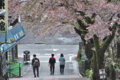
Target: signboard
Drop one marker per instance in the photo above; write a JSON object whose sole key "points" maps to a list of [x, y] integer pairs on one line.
{"points": [[102, 74], [3, 16], [5, 47], [18, 32]]}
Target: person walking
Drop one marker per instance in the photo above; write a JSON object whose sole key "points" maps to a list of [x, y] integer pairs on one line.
{"points": [[52, 62], [62, 63], [35, 65]]}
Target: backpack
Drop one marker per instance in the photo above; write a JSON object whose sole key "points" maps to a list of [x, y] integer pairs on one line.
{"points": [[36, 63]]}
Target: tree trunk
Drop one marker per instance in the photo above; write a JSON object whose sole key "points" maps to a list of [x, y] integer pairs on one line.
{"points": [[94, 67], [96, 64], [88, 51], [112, 74], [97, 59]]}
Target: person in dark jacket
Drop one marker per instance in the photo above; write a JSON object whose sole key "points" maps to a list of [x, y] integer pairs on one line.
{"points": [[52, 62], [35, 65]]}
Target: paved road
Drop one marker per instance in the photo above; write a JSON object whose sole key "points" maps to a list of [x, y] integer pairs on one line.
{"points": [[43, 52]]}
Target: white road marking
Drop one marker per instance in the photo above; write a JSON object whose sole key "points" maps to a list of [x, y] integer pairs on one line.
{"points": [[70, 58], [43, 56], [48, 49], [55, 49], [70, 54], [37, 54], [47, 54], [52, 49]]}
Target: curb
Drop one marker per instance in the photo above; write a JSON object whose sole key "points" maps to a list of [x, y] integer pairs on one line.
{"points": [[71, 58]]}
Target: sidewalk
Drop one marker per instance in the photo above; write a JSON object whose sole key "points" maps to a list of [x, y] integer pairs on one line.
{"points": [[49, 79]]}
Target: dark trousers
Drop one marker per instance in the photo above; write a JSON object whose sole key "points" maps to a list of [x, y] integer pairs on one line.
{"points": [[34, 71], [62, 68], [52, 67]]}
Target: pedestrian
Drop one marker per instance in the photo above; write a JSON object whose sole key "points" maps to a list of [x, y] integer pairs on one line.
{"points": [[52, 62], [62, 63], [35, 65]]}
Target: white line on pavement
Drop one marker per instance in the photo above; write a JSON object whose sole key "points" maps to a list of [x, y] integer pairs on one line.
{"points": [[47, 54], [37, 54], [48, 49], [43, 56], [52, 49], [70, 54], [70, 58]]}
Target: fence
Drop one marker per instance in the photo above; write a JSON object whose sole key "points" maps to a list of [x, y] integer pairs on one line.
{"points": [[15, 69]]}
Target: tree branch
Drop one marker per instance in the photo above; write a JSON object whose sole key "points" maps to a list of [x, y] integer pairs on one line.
{"points": [[108, 40]]}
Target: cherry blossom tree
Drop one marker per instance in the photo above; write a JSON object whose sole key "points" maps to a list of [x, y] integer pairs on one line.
{"points": [[99, 32], [98, 22]]}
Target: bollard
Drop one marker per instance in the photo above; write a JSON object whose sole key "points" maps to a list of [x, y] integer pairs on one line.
{"points": [[19, 70]]}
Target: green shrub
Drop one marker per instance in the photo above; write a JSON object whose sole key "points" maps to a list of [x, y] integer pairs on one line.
{"points": [[87, 73], [79, 52], [9, 62], [79, 61]]}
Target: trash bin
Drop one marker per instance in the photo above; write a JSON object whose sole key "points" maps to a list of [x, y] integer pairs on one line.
{"points": [[26, 55]]}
